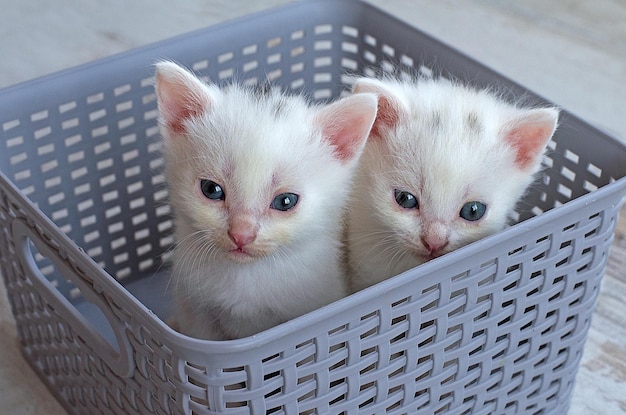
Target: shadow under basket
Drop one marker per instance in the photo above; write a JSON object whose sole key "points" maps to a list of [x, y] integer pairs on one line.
{"points": [[495, 327]]}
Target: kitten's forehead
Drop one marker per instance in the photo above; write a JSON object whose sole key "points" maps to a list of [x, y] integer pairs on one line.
{"points": [[252, 174], [257, 144], [445, 159], [450, 128], [445, 120], [264, 101], [473, 123]]}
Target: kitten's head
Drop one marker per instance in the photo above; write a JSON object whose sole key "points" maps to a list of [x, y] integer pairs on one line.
{"points": [[253, 173], [445, 165]]}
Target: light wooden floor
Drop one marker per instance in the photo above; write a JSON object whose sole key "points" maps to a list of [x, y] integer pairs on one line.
{"points": [[572, 52], [601, 380]]}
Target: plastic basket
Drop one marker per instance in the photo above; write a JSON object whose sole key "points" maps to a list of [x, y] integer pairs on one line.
{"points": [[496, 327]]}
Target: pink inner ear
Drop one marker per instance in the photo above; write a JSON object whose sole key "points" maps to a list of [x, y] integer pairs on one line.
{"points": [[528, 143], [346, 124], [388, 113], [180, 98], [530, 136], [344, 139], [176, 123]]}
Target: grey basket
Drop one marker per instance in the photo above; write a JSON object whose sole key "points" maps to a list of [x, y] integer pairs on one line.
{"points": [[496, 327]]}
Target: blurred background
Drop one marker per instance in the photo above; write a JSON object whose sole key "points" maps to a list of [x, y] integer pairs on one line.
{"points": [[572, 52]]}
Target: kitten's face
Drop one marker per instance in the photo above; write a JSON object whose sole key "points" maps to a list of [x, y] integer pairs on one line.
{"points": [[445, 166], [244, 209], [246, 199], [253, 229], [436, 201], [255, 174]]}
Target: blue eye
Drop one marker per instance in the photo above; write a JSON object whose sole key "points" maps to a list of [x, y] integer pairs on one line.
{"points": [[473, 211], [406, 199], [212, 190], [284, 201]]}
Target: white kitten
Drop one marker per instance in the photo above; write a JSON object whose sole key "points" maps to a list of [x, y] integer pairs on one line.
{"points": [[444, 166], [258, 182]]}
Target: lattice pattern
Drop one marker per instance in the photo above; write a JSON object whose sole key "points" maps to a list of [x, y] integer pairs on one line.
{"points": [[497, 327]]}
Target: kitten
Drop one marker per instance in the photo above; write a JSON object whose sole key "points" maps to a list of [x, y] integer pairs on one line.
{"points": [[444, 166], [258, 181]]}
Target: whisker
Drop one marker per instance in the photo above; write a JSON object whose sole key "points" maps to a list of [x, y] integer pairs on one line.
{"points": [[192, 251]]}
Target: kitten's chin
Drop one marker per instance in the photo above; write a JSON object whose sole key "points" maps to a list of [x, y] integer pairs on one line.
{"points": [[242, 256], [422, 257]]}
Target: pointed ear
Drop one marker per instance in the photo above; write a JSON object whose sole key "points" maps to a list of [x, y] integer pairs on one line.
{"points": [[180, 96], [346, 124], [390, 109], [528, 132]]}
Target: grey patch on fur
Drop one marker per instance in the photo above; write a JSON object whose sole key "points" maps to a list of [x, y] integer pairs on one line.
{"points": [[279, 106], [269, 93], [435, 121], [473, 123], [262, 90]]}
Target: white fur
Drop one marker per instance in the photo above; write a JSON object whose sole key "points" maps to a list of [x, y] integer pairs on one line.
{"points": [[239, 142], [433, 153]]}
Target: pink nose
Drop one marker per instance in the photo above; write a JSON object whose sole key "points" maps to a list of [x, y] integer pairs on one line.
{"points": [[241, 238], [435, 236], [434, 244], [242, 230]]}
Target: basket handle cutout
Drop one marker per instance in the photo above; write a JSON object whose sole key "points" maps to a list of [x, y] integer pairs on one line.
{"points": [[91, 320]]}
